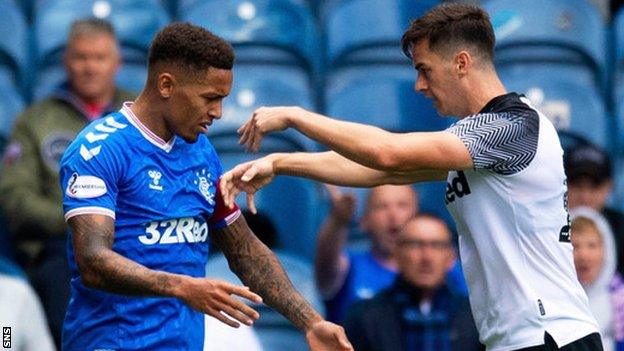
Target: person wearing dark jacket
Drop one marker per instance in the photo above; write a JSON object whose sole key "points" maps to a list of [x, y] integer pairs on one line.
{"points": [[419, 311]]}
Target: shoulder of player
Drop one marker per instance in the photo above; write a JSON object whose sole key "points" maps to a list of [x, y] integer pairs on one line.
{"points": [[110, 130], [107, 135]]}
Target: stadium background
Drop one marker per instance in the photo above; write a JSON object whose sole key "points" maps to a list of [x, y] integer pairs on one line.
{"points": [[342, 58]]}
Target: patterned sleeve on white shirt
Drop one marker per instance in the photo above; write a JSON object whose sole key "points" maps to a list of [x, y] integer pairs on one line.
{"points": [[504, 143]]}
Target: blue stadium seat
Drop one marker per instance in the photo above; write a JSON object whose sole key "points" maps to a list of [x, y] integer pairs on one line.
{"points": [[132, 77], [369, 30], [13, 42], [295, 205], [255, 86], [11, 104], [616, 199], [274, 31], [274, 331], [570, 105], [553, 32], [383, 96], [135, 21]]}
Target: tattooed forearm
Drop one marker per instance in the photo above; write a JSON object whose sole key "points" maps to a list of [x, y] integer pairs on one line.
{"points": [[102, 268], [259, 269]]}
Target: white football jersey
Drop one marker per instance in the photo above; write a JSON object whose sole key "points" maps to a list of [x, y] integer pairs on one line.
{"points": [[514, 234]]}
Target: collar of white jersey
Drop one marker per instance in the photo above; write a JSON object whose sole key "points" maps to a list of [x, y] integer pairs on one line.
{"points": [[148, 134]]}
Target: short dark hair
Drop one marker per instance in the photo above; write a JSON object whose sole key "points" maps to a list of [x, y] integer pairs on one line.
{"points": [[190, 47], [448, 26], [90, 26], [587, 163]]}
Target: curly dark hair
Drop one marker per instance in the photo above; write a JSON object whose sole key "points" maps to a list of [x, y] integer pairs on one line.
{"points": [[450, 26], [190, 47]]}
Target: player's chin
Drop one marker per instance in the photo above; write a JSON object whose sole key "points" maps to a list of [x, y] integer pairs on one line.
{"points": [[190, 137]]}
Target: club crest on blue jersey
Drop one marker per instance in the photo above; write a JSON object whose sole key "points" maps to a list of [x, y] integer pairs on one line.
{"points": [[204, 184]]}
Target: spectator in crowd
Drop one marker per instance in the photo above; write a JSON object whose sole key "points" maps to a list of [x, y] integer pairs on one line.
{"points": [[344, 277], [595, 261], [419, 311], [21, 311], [29, 183], [590, 183]]}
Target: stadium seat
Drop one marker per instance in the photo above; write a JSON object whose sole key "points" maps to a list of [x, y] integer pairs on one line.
{"points": [[295, 205], [11, 104], [571, 106], [135, 22], [383, 96], [369, 30], [270, 31], [13, 42], [618, 27], [259, 85], [564, 33], [274, 331], [616, 199]]}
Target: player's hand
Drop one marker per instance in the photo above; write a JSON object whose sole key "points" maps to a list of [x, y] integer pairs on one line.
{"points": [[326, 336], [263, 121], [342, 204], [217, 299], [248, 177]]}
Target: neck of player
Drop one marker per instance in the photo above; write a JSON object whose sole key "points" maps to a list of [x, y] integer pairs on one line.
{"points": [[150, 112]]}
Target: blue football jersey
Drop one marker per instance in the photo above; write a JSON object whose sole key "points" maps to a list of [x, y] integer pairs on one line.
{"points": [[165, 200]]}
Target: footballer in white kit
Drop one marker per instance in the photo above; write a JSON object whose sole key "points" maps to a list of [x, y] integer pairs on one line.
{"points": [[503, 164]]}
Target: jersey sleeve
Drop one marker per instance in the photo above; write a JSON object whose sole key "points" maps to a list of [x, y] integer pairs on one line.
{"points": [[500, 142], [89, 180]]}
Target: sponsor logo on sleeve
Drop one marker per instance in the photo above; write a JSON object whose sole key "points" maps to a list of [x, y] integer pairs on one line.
{"points": [[85, 187]]}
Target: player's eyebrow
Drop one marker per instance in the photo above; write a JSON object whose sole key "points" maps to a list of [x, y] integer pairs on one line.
{"points": [[419, 65]]}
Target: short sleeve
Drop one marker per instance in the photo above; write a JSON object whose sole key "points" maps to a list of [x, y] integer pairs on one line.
{"points": [[89, 180], [501, 142]]}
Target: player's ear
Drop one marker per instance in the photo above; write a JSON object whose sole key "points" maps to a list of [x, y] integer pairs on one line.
{"points": [[166, 83], [463, 61]]}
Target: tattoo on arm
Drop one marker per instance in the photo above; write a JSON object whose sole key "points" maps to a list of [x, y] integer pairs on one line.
{"points": [[102, 268], [259, 269]]}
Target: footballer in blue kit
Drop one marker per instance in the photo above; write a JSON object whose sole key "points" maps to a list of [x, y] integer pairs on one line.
{"points": [[141, 198]]}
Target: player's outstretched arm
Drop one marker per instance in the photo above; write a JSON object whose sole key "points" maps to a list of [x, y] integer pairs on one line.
{"points": [[327, 167], [102, 268], [370, 146], [258, 268]]}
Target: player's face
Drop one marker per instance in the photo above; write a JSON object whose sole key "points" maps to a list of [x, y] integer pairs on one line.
{"points": [[196, 103], [424, 253], [435, 79], [389, 207], [588, 254], [91, 62]]}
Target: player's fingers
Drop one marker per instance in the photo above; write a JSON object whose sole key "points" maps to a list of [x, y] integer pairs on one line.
{"points": [[242, 291], [244, 311], [249, 174], [244, 132], [238, 315], [251, 204], [224, 319], [224, 188]]}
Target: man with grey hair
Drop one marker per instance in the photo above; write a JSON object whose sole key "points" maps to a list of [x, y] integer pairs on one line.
{"points": [[29, 192]]}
